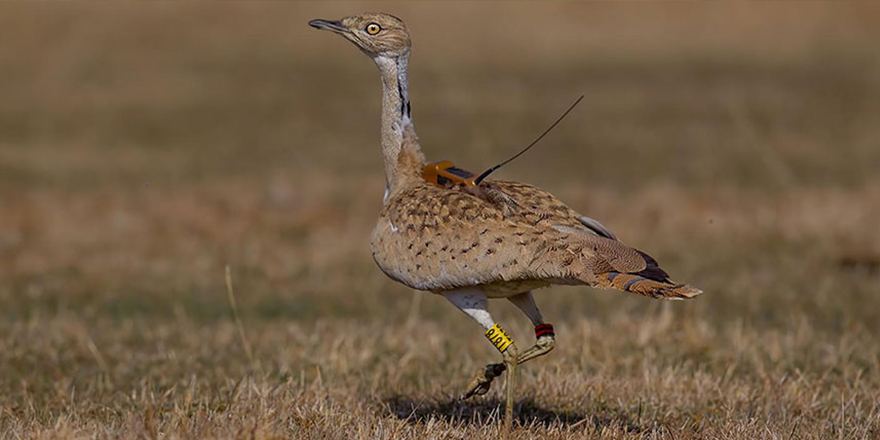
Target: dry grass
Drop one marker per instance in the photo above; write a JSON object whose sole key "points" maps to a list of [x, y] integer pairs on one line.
{"points": [[143, 147]]}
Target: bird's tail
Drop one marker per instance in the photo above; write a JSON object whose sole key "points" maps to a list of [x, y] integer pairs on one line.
{"points": [[635, 283]]}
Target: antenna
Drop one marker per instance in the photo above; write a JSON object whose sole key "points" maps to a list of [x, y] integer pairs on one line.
{"points": [[491, 170]]}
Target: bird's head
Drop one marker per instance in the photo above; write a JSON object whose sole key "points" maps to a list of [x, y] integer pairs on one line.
{"points": [[376, 34]]}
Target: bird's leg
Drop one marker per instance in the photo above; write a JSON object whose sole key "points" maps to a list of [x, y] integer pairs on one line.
{"points": [[473, 303], [511, 359], [546, 341], [544, 335]]}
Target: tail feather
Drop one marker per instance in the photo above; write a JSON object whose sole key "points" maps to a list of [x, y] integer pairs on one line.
{"points": [[638, 284]]}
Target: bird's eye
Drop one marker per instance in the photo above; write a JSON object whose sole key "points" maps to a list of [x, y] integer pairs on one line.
{"points": [[373, 28]]}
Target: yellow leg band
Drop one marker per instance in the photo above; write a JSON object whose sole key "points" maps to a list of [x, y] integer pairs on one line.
{"points": [[499, 338]]}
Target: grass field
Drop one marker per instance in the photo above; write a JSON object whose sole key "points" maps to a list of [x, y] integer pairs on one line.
{"points": [[146, 146]]}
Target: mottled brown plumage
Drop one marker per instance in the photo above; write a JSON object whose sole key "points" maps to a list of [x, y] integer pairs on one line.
{"points": [[505, 237]]}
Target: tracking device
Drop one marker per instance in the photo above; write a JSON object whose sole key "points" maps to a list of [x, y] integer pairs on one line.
{"points": [[445, 173]]}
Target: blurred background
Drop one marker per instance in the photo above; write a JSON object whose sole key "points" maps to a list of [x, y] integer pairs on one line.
{"points": [[144, 146]]}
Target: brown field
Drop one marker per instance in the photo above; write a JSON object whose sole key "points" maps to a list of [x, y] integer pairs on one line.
{"points": [[145, 146]]}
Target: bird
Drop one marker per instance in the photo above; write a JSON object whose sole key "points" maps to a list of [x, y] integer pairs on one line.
{"points": [[496, 240]]}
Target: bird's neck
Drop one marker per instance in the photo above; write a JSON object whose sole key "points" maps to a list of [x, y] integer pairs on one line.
{"points": [[400, 145]]}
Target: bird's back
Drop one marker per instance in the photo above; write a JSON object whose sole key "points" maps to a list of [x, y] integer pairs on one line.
{"points": [[506, 237]]}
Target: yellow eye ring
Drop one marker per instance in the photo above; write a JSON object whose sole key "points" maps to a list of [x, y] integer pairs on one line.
{"points": [[373, 28]]}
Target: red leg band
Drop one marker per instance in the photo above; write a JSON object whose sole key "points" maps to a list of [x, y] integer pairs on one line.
{"points": [[544, 330]]}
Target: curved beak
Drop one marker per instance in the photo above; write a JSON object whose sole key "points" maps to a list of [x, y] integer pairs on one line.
{"points": [[328, 25]]}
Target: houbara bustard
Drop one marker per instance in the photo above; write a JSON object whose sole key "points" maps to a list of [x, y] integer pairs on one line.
{"points": [[496, 239]]}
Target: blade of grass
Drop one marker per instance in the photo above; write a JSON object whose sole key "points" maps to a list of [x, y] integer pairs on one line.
{"points": [[231, 296]]}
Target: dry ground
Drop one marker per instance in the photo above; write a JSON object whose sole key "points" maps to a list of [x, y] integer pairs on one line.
{"points": [[143, 147]]}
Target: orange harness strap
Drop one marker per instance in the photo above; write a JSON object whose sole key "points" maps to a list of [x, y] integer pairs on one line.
{"points": [[444, 173]]}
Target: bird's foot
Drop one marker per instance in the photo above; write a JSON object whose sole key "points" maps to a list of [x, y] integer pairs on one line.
{"points": [[543, 345], [482, 381]]}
